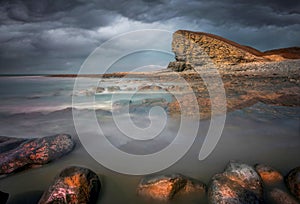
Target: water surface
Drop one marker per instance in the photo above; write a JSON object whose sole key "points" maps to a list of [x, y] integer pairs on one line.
{"points": [[38, 106]]}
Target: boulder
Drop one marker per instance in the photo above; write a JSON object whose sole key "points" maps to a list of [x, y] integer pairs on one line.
{"points": [[122, 102], [113, 88], [32, 152], [278, 196], [154, 102], [150, 88], [238, 184], [179, 66], [73, 185], [167, 186], [268, 174], [100, 89], [3, 197], [293, 181]]}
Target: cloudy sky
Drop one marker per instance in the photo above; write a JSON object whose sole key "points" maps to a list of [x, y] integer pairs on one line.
{"points": [[56, 36]]}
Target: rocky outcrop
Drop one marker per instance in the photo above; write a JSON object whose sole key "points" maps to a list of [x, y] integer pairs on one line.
{"points": [[278, 196], [293, 182], [238, 184], [200, 51], [287, 53], [24, 153], [3, 197], [167, 186], [268, 174], [150, 88], [113, 88], [73, 185], [197, 49]]}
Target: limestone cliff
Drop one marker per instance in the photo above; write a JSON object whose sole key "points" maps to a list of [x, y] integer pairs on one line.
{"points": [[194, 50]]}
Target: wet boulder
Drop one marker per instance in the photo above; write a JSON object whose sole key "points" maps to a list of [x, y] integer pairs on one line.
{"points": [[238, 184], [32, 152], [165, 187], [123, 102], [150, 88], [278, 196], [100, 89], [3, 197], [73, 185], [113, 88], [154, 102], [293, 181], [268, 174]]}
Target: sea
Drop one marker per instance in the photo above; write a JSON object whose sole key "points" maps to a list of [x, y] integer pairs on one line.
{"points": [[38, 106]]}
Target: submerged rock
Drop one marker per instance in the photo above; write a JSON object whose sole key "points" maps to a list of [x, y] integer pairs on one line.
{"points": [[154, 102], [3, 197], [268, 174], [35, 151], [238, 184], [293, 181], [73, 185], [113, 88], [150, 88], [100, 89], [280, 197], [167, 186]]}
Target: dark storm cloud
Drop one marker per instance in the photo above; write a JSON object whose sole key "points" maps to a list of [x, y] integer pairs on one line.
{"points": [[57, 35], [245, 13]]}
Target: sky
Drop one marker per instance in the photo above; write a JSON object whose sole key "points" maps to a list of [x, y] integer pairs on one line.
{"points": [[56, 36]]}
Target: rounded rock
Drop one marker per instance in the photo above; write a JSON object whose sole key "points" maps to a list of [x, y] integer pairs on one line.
{"points": [[73, 185], [268, 174], [293, 181]]}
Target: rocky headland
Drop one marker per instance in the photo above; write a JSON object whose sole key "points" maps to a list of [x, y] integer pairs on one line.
{"points": [[247, 75], [198, 50]]}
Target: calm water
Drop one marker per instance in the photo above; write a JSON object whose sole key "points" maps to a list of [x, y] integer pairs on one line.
{"points": [[38, 106]]}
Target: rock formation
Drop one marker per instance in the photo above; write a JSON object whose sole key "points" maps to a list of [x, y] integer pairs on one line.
{"points": [[268, 174], [238, 184], [73, 185], [167, 186], [278, 196], [198, 50], [23, 153], [293, 182]]}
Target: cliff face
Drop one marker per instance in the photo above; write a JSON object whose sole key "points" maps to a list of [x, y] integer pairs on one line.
{"points": [[195, 50]]}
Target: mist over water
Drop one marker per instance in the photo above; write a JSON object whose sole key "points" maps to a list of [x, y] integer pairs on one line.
{"points": [[38, 106]]}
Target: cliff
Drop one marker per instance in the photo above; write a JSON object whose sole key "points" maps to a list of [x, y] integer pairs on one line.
{"points": [[198, 50]]}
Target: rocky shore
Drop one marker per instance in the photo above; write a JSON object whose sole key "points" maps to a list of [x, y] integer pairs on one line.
{"points": [[240, 183], [248, 76]]}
